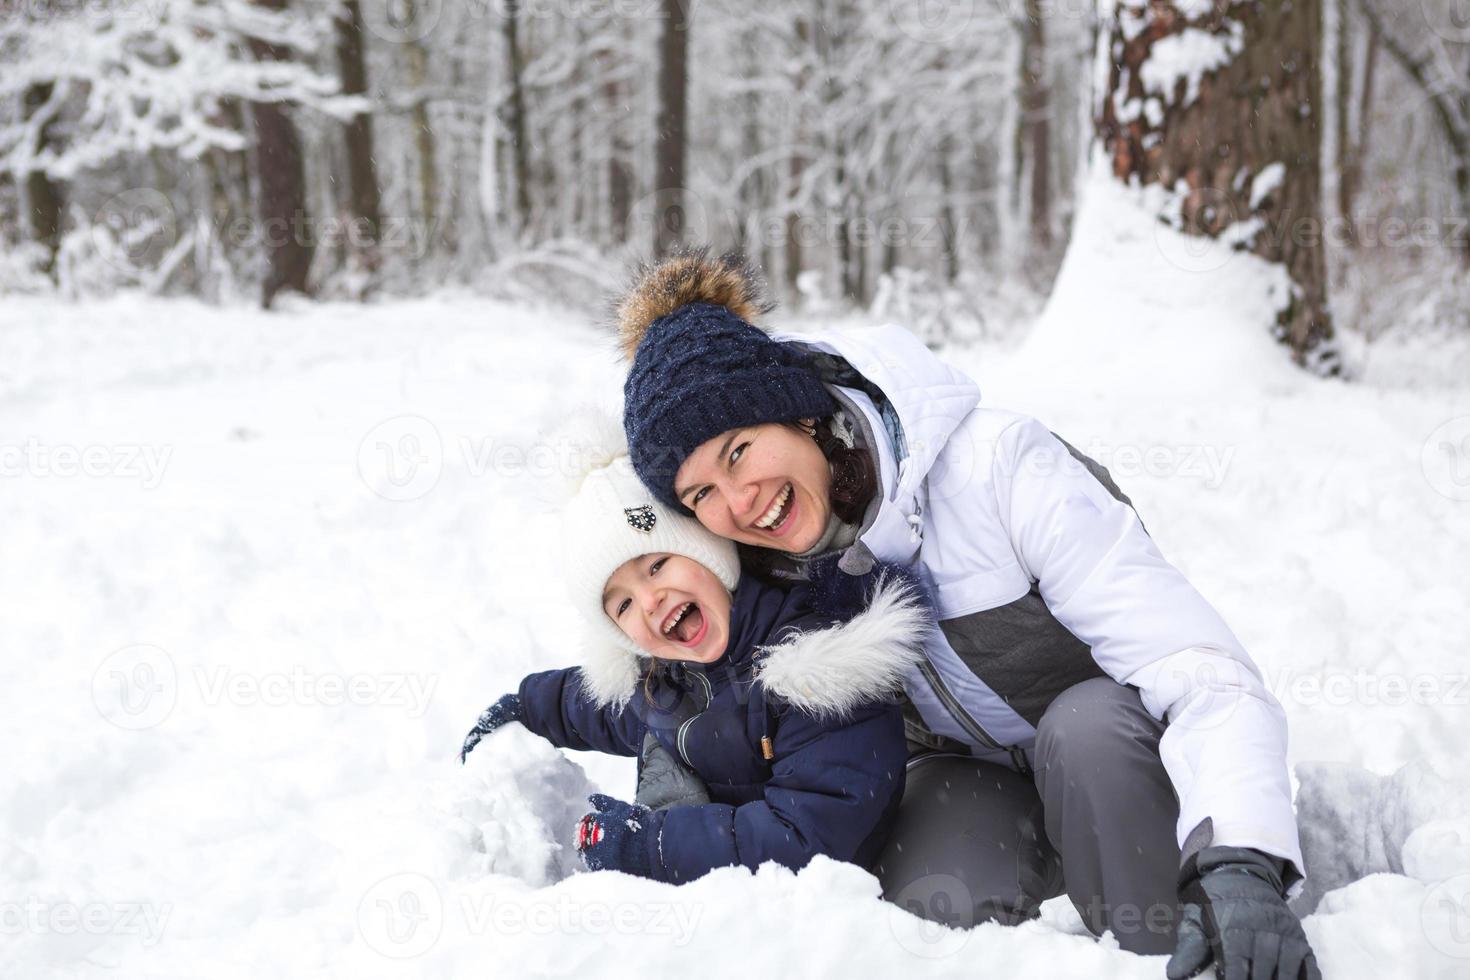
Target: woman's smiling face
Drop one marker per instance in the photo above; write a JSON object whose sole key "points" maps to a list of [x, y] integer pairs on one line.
{"points": [[671, 606], [766, 485]]}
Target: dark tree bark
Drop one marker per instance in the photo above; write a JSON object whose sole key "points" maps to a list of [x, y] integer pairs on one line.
{"points": [[282, 206], [423, 132], [672, 127], [1257, 109], [1033, 137], [516, 116], [43, 195], [947, 222], [1351, 144], [619, 169], [362, 170]]}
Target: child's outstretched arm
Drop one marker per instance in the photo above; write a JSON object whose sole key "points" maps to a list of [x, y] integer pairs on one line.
{"points": [[553, 705]]}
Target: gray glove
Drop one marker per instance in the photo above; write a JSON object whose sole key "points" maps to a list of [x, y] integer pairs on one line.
{"points": [[1235, 915]]}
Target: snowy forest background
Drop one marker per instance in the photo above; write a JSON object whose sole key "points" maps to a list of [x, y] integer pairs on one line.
{"points": [[923, 157]]}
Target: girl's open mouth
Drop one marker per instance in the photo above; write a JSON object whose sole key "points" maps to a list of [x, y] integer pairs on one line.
{"points": [[686, 625], [777, 518]]}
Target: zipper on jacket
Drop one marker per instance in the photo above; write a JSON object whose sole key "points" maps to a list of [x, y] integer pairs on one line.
{"points": [[709, 696], [969, 724]]}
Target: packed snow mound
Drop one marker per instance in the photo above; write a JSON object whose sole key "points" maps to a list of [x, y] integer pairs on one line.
{"points": [[518, 807], [1153, 306]]}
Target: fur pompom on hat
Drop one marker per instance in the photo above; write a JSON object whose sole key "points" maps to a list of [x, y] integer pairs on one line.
{"points": [[612, 519], [700, 366]]}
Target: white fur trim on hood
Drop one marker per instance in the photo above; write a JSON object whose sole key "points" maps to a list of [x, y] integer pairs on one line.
{"points": [[610, 674], [826, 673]]}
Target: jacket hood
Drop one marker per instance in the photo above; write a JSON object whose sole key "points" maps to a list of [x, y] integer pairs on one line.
{"points": [[930, 397], [825, 671]]}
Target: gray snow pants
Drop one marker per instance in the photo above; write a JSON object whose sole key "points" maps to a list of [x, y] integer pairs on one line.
{"points": [[977, 842]]}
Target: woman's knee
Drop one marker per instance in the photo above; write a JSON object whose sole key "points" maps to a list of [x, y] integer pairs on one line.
{"points": [[1091, 723], [969, 846]]}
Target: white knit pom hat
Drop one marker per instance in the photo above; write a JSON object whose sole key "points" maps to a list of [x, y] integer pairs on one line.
{"points": [[613, 518]]}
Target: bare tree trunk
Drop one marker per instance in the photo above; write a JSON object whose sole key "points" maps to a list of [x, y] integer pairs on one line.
{"points": [[1256, 114], [988, 196], [362, 169], [1342, 120], [1033, 136], [795, 260], [43, 196], [282, 170], [423, 132], [1366, 96], [673, 116], [619, 172], [844, 230], [752, 191], [947, 212], [1353, 145], [516, 122]]}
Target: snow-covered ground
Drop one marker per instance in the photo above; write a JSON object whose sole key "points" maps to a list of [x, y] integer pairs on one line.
{"points": [[260, 572]]}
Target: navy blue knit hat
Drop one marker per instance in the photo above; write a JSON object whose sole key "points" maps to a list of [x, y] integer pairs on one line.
{"points": [[700, 367]]}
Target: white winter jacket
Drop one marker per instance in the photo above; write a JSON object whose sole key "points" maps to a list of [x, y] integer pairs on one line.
{"points": [[1044, 575]]}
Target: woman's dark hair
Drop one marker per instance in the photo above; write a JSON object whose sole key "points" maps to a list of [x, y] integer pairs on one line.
{"points": [[854, 477]]}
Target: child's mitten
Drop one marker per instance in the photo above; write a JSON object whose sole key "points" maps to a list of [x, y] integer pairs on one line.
{"points": [[502, 712], [612, 838]]}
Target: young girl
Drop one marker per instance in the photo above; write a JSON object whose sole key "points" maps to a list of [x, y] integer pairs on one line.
{"points": [[788, 717]]}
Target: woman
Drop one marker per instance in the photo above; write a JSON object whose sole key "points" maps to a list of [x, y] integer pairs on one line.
{"points": [[1080, 700]]}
